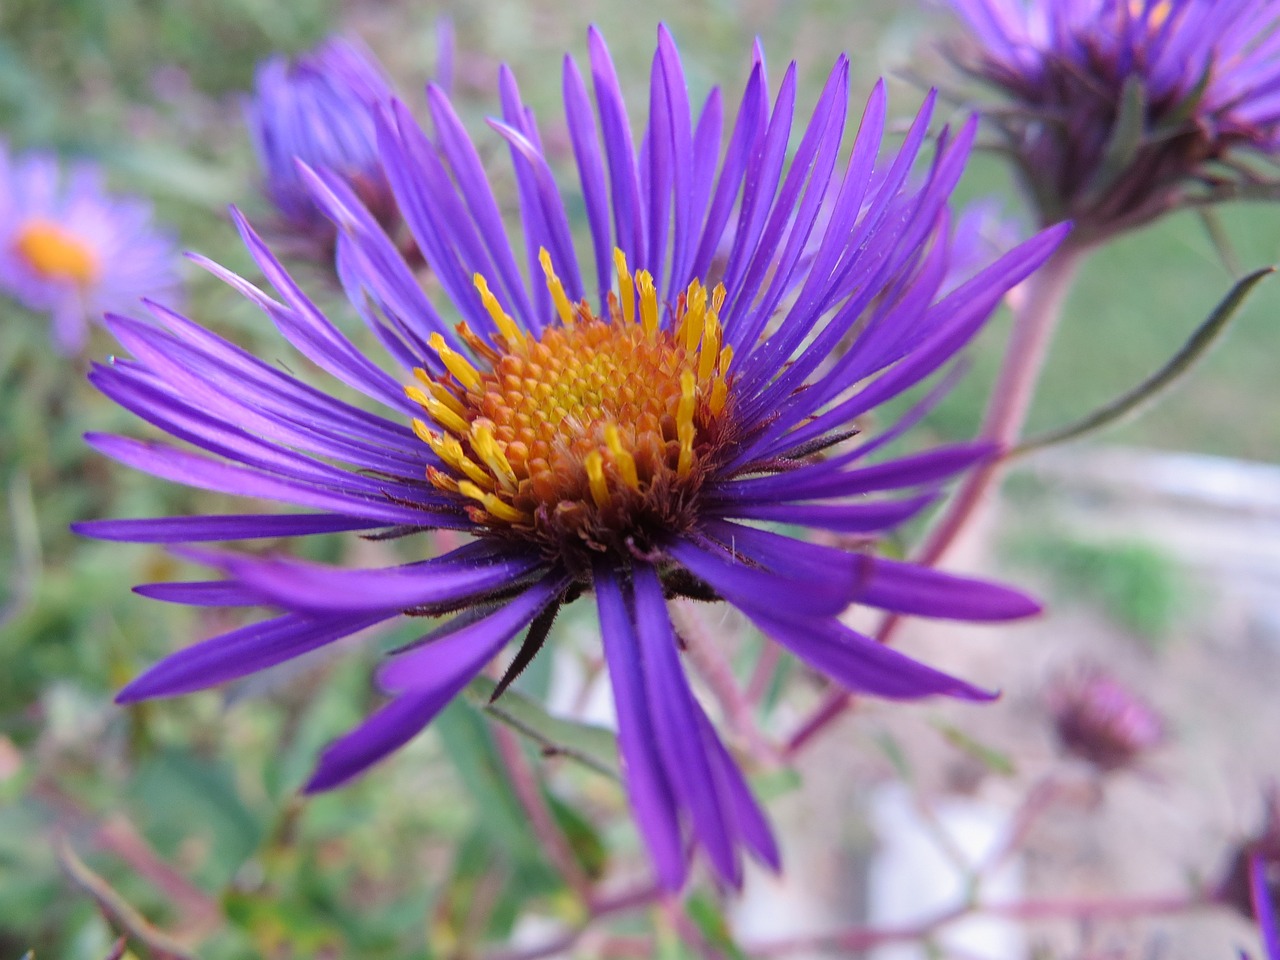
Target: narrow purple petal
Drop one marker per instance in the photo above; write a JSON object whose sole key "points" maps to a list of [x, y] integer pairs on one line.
{"points": [[859, 663], [910, 588], [237, 527], [676, 726], [475, 641], [242, 652], [648, 785]]}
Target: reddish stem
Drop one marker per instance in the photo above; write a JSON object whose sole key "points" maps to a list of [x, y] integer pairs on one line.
{"points": [[529, 793], [1033, 329]]}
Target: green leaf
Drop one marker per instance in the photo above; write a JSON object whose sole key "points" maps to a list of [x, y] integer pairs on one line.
{"points": [[1128, 134], [584, 840], [587, 743], [1130, 403], [470, 746], [709, 920], [994, 760]]}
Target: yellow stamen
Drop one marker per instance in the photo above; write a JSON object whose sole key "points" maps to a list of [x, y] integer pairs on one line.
{"points": [[594, 463], [685, 463], [719, 394], [444, 416], [506, 326], [622, 459], [456, 363], [710, 347], [56, 253], [448, 449], [563, 307], [696, 307], [688, 399], [626, 288], [648, 302], [483, 443]]}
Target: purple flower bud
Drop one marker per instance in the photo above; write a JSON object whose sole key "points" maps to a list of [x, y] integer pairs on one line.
{"points": [[1118, 111], [319, 109], [1100, 720]]}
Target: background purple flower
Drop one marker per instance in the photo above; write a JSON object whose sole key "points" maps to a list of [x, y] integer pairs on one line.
{"points": [[597, 423], [1119, 110], [318, 108], [71, 248]]}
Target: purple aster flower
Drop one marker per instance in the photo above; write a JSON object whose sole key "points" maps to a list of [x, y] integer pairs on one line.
{"points": [[318, 109], [600, 421], [1120, 110], [1101, 721], [70, 248]]}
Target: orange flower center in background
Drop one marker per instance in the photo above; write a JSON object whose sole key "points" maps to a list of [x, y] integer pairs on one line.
{"points": [[56, 253], [600, 432]]}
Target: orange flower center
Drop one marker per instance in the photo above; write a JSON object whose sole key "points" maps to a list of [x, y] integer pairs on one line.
{"points": [[56, 253], [599, 432]]}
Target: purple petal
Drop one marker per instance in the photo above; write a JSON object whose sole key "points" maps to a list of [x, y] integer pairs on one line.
{"points": [[386, 731], [674, 714], [475, 641], [648, 786], [859, 663], [232, 527], [298, 585], [242, 652], [910, 588]]}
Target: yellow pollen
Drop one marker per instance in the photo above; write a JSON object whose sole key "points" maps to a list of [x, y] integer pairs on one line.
{"points": [[56, 253], [626, 289], [563, 307], [648, 302], [506, 326], [622, 458], [595, 435], [456, 363]]}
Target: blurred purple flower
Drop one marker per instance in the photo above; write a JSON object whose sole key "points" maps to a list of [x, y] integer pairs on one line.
{"points": [[1120, 110], [1100, 720], [70, 248], [603, 422], [1261, 887], [1251, 883], [318, 108]]}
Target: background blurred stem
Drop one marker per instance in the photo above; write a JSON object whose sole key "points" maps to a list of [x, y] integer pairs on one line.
{"points": [[1034, 324], [525, 783]]}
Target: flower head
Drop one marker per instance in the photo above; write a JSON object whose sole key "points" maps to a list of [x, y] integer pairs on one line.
{"points": [[1100, 720], [614, 423], [318, 109], [1120, 110], [69, 247]]}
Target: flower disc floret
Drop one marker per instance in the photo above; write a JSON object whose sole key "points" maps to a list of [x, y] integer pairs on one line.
{"points": [[56, 253], [599, 433]]}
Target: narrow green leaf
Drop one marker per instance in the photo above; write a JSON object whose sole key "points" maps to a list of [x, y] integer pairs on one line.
{"points": [[584, 840], [1203, 338], [593, 746], [1128, 135], [709, 919], [1212, 224], [991, 758]]}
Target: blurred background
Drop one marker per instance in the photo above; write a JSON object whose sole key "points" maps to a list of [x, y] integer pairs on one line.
{"points": [[1156, 547]]}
